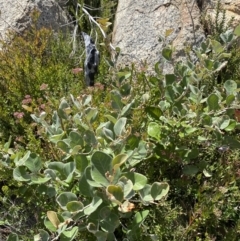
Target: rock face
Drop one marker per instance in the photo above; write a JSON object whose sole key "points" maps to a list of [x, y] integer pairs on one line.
{"points": [[15, 15], [140, 24]]}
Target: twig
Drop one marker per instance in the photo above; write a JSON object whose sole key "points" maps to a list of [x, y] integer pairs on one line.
{"points": [[92, 20], [190, 13]]}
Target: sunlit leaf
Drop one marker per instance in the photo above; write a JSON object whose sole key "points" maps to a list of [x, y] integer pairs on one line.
{"points": [[138, 180], [119, 160], [231, 126], [168, 32], [207, 173], [69, 235], [96, 202], [217, 47], [27, 108], [159, 190], [20, 174], [115, 193], [227, 37], [119, 127], [127, 187], [139, 217], [52, 216], [34, 163], [42, 236], [154, 130], [64, 170], [225, 121]]}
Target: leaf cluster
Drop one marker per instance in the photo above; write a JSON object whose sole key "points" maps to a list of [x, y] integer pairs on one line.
{"points": [[30, 60], [142, 158]]}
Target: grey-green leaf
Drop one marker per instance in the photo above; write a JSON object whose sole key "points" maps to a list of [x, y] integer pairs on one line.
{"points": [[138, 180], [69, 235], [34, 163], [230, 86], [81, 162], [119, 127], [20, 174], [159, 190], [64, 198], [96, 202], [101, 167], [154, 130], [109, 220], [42, 236]]}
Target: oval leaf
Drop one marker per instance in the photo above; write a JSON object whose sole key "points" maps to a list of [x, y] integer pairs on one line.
{"points": [[139, 217], [34, 163], [81, 162], [109, 220], [101, 167], [159, 190], [217, 47], [119, 127], [52, 216], [76, 139], [119, 160], [20, 174], [190, 170], [167, 54], [212, 102], [145, 193], [74, 206], [115, 194], [127, 187], [231, 126], [64, 198], [230, 86], [138, 180], [154, 130]]}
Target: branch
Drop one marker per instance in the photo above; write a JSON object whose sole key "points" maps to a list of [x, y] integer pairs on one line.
{"points": [[91, 19]]}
